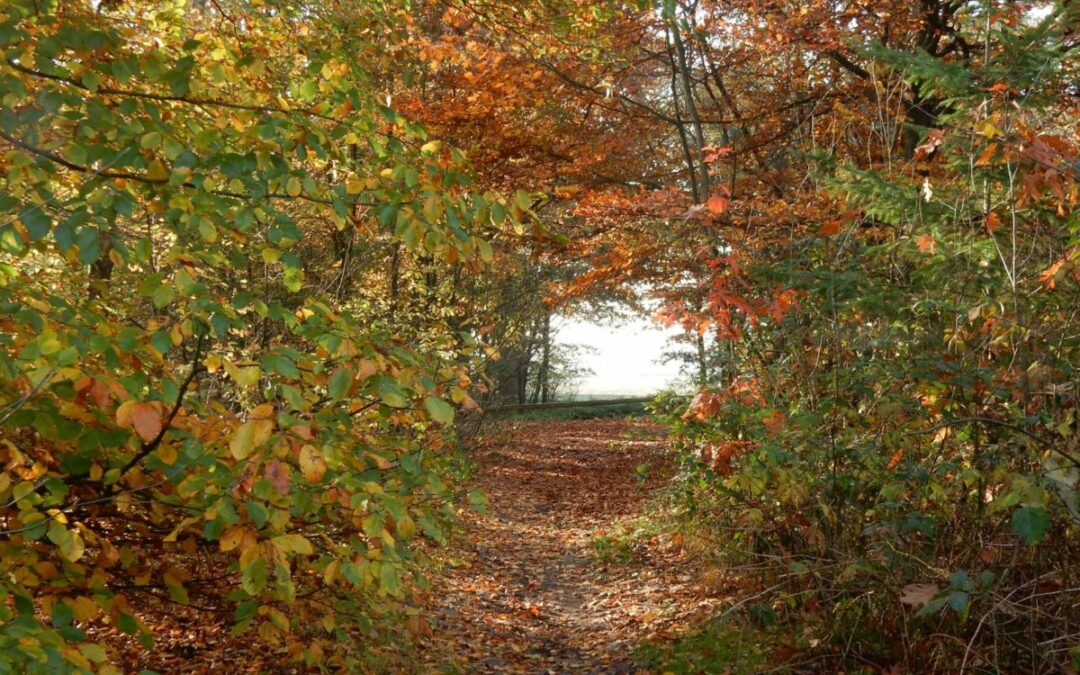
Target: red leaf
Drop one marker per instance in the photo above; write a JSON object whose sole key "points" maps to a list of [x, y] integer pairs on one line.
{"points": [[100, 393], [278, 475]]}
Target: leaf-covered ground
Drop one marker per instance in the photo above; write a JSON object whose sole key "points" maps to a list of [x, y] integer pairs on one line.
{"points": [[530, 590]]}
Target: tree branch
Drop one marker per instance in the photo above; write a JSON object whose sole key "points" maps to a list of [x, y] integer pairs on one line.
{"points": [[151, 445]]}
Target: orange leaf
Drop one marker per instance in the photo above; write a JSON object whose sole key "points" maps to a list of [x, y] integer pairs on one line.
{"points": [[146, 420], [894, 461], [774, 423], [987, 155], [993, 222], [1047, 276], [829, 228], [141, 416], [926, 243], [717, 204]]}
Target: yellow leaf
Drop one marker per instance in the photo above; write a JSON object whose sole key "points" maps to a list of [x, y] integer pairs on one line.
{"points": [[987, 128], [123, 414], [157, 171], [232, 537], [250, 435], [84, 608], [312, 464], [73, 547], [213, 363], [245, 377], [354, 185], [172, 536], [167, 454], [262, 412], [293, 543], [293, 187], [330, 573]]}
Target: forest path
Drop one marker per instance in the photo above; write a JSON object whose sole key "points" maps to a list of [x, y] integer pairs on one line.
{"points": [[529, 595]]}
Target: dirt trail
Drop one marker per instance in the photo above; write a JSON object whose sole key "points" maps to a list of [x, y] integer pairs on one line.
{"points": [[529, 595]]}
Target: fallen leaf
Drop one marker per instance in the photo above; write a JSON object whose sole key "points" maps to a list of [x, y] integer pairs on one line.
{"points": [[917, 595]]}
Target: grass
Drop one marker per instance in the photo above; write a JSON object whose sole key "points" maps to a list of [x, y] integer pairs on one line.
{"points": [[626, 541], [581, 413], [719, 646]]}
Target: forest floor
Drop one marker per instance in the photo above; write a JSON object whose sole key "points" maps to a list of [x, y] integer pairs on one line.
{"points": [[531, 587]]}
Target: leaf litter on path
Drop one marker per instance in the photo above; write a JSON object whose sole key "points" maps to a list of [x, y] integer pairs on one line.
{"points": [[528, 594]]}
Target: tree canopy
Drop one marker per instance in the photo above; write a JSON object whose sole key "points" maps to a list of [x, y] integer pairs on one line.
{"points": [[258, 257]]}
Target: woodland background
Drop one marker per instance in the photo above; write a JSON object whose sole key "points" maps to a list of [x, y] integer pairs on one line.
{"points": [[259, 258]]}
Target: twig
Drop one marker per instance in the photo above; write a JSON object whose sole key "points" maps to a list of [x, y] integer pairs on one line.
{"points": [[20, 402]]}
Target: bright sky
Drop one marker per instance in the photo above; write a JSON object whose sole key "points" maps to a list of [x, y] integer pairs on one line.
{"points": [[626, 361]]}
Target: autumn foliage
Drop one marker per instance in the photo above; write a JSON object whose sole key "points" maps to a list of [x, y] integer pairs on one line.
{"points": [[256, 256]]}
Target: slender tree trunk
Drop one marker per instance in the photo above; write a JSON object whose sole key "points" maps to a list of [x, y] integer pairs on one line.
{"points": [[684, 141], [703, 363], [101, 270], [691, 105], [545, 360]]}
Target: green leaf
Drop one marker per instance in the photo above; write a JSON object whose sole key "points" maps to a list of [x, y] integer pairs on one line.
{"points": [[478, 500], [178, 593], [282, 365], [62, 614], [258, 513], [340, 383], [439, 410], [127, 623], [36, 221], [389, 579], [391, 394], [1031, 523], [253, 577], [96, 653]]}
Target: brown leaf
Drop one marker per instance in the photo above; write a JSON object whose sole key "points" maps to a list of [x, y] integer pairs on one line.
{"points": [[917, 595]]}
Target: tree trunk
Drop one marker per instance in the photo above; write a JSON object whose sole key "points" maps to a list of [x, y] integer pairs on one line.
{"points": [[545, 360]]}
